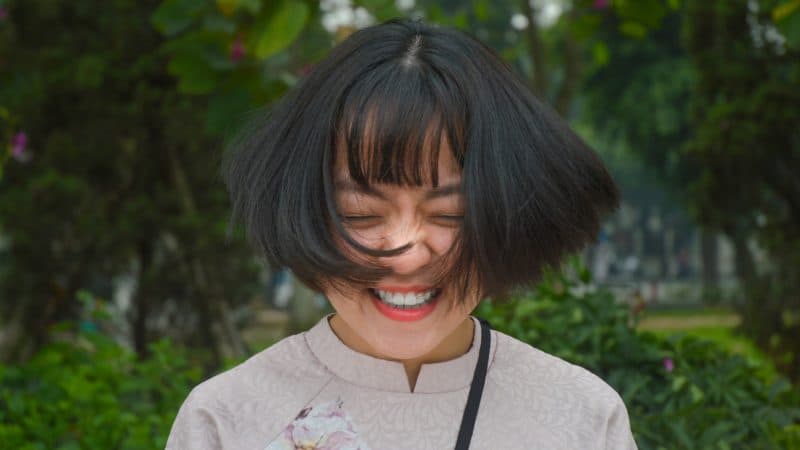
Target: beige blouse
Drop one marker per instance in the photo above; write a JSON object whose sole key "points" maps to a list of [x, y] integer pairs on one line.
{"points": [[310, 391]]}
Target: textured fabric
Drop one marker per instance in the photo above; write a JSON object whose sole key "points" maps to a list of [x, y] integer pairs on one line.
{"points": [[311, 391]]}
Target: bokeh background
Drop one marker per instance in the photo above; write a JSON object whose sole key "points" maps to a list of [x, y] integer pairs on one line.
{"points": [[123, 283]]}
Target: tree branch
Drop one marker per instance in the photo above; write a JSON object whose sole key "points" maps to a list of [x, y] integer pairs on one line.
{"points": [[572, 72], [228, 338], [540, 81]]}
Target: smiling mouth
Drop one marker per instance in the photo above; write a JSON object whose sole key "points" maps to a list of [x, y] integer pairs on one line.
{"points": [[405, 300]]}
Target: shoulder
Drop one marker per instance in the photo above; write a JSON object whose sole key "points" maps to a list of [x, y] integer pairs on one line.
{"points": [[520, 364], [287, 363], [231, 405], [550, 394]]}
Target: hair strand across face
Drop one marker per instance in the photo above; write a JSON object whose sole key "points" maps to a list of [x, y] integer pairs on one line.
{"points": [[392, 97]]}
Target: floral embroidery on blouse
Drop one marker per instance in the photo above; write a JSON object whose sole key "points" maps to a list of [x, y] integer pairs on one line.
{"points": [[320, 427]]}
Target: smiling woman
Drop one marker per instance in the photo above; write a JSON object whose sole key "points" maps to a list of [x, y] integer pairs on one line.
{"points": [[412, 310], [409, 176]]}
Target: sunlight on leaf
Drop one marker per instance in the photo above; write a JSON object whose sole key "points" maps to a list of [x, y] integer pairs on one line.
{"points": [[275, 30]]}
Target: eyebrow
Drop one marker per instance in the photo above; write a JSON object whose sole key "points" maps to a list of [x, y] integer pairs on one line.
{"points": [[437, 192]]}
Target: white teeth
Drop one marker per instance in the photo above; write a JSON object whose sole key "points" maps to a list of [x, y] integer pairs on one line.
{"points": [[410, 299]]}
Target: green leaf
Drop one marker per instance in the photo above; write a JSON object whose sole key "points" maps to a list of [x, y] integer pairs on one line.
{"points": [[225, 109], [382, 10], [436, 14], [276, 29], [678, 383], [696, 393], [585, 27], [90, 71], [648, 13], [217, 23], [600, 53], [173, 16], [194, 74], [460, 20], [577, 315], [251, 6], [789, 24], [783, 10], [227, 7], [633, 29], [481, 9]]}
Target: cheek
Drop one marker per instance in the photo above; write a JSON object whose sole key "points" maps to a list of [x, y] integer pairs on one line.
{"points": [[371, 237], [352, 254], [440, 239]]}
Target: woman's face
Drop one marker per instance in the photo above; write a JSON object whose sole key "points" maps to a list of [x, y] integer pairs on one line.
{"points": [[404, 315]]}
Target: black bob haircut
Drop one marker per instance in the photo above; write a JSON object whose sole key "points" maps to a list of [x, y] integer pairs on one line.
{"points": [[388, 96]]}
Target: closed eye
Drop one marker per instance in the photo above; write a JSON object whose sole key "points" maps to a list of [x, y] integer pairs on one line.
{"points": [[447, 220], [360, 221], [357, 218], [445, 217]]}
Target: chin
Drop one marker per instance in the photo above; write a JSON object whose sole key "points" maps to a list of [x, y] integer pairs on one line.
{"points": [[372, 331], [404, 350]]}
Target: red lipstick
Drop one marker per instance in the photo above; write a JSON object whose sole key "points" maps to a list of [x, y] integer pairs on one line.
{"points": [[400, 314]]}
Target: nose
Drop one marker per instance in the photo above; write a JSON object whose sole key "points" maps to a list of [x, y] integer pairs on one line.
{"points": [[417, 256]]}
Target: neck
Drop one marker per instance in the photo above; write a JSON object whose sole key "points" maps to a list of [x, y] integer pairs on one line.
{"points": [[453, 346]]}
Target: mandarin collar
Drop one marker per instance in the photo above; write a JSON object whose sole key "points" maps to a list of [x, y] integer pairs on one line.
{"points": [[381, 374]]}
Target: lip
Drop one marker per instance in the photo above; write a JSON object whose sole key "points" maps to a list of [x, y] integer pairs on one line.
{"points": [[405, 315], [402, 314]]}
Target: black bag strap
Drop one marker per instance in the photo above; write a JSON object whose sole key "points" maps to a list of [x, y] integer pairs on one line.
{"points": [[475, 390]]}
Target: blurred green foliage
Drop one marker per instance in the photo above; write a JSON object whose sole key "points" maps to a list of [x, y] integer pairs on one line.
{"points": [[744, 156], [125, 123], [786, 15], [123, 182], [233, 51], [709, 103], [681, 392], [87, 392], [6, 132]]}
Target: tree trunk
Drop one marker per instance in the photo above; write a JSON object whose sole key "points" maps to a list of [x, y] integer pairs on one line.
{"points": [[141, 301], [14, 344], [228, 341], [710, 260], [572, 72], [541, 81], [745, 265]]}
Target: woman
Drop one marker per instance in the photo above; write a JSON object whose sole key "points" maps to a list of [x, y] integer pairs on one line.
{"points": [[411, 175]]}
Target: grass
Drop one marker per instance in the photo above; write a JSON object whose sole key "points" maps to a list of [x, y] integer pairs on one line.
{"points": [[714, 324]]}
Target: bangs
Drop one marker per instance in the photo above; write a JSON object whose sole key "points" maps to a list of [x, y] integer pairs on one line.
{"points": [[393, 124], [382, 106]]}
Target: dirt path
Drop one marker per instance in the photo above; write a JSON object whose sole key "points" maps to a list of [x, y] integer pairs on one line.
{"points": [[682, 323]]}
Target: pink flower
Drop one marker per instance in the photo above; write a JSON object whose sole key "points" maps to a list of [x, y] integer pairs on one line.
{"points": [[3, 13], [600, 4], [19, 145], [321, 427], [237, 49], [669, 365]]}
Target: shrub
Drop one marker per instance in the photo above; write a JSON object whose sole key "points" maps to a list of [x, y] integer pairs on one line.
{"points": [[88, 392], [681, 392]]}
